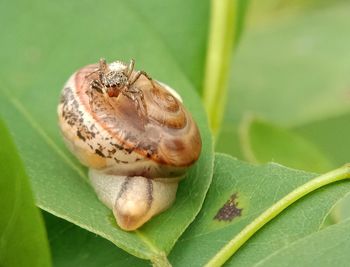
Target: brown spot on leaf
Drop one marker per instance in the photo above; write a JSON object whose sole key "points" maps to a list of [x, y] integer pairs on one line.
{"points": [[230, 210]]}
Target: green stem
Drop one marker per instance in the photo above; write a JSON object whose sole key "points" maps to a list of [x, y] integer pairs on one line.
{"points": [[220, 46], [227, 251]]}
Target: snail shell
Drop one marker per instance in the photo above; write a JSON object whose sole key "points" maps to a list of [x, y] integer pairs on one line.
{"points": [[135, 163]]}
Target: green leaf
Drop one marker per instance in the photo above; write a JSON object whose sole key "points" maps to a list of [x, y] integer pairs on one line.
{"points": [[23, 239], [294, 69], [74, 246], [341, 210], [42, 55], [252, 190], [263, 142], [228, 140], [185, 38], [329, 247], [291, 67], [331, 137]]}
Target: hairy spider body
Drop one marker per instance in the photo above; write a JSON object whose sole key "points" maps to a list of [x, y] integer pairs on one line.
{"points": [[118, 77], [114, 79]]}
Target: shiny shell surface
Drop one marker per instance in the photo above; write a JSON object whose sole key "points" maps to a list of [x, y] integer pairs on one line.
{"points": [[110, 134]]}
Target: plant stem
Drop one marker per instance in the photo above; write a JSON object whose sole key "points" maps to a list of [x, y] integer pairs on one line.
{"points": [[220, 46], [227, 251]]}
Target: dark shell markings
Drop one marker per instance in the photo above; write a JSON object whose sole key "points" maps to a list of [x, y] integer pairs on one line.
{"points": [[130, 135]]}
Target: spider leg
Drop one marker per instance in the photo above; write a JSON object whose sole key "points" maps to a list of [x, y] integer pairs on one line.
{"points": [[91, 73], [103, 64], [137, 76], [98, 86], [102, 67], [136, 95], [130, 68]]}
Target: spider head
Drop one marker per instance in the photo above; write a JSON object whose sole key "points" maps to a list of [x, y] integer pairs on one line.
{"points": [[115, 75], [114, 78]]}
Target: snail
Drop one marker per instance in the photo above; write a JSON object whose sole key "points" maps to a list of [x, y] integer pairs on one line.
{"points": [[134, 135]]}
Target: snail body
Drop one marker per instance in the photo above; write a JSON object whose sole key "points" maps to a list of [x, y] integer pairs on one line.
{"points": [[134, 135]]}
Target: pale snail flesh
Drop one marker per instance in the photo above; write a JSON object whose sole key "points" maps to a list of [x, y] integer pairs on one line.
{"points": [[134, 135]]}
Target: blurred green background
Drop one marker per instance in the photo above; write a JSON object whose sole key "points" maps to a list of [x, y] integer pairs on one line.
{"points": [[289, 88], [291, 68]]}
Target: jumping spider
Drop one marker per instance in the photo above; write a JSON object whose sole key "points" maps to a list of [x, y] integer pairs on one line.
{"points": [[118, 77]]}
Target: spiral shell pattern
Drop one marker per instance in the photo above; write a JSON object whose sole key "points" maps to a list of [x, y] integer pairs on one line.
{"points": [[109, 134]]}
